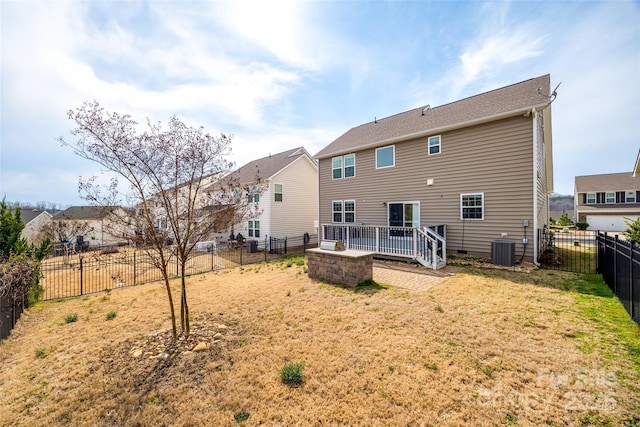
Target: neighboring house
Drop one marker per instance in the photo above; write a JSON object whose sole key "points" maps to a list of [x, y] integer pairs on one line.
{"points": [[605, 201], [97, 226], [481, 167], [157, 208], [34, 220], [284, 189]]}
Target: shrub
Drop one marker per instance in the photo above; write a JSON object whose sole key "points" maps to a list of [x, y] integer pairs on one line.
{"points": [[111, 315], [241, 416], [70, 318], [41, 353], [633, 230], [291, 373], [582, 225], [564, 220]]}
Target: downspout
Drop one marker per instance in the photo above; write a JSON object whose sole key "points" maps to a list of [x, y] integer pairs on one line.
{"points": [[536, 141]]}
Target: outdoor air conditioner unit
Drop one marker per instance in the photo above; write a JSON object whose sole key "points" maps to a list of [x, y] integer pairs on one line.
{"points": [[503, 252]]}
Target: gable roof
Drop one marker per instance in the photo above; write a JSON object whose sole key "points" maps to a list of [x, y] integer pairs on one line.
{"points": [[607, 182], [264, 168], [493, 105], [636, 168], [29, 215], [85, 212]]}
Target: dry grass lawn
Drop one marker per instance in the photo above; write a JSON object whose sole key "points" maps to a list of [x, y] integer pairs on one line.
{"points": [[483, 347]]}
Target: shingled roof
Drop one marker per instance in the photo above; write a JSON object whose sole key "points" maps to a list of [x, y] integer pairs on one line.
{"points": [[264, 168], [500, 103], [606, 182], [85, 212]]}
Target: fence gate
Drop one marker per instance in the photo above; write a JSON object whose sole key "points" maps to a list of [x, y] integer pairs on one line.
{"points": [[568, 250]]}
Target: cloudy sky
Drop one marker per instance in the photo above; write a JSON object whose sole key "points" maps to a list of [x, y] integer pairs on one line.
{"points": [[278, 75]]}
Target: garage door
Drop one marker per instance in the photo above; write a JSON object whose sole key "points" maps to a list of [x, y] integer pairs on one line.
{"points": [[608, 222]]}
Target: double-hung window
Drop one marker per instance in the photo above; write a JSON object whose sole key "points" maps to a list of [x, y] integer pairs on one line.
{"points": [[344, 211], [336, 167], [349, 211], [472, 206], [349, 165], [337, 210], [254, 194], [591, 198], [343, 166], [254, 228], [277, 191], [610, 198], [385, 157], [434, 145], [630, 197]]}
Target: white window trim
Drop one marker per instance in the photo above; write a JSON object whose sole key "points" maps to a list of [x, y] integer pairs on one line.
{"points": [[344, 211], [606, 197], [393, 158], [341, 168], [634, 196], [462, 207], [275, 193], [405, 202], [439, 145], [344, 166], [251, 231], [333, 221], [595, 199]]}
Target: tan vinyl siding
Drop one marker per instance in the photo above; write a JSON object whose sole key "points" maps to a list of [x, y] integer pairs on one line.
{"points": [[295, 215], [495, 159]]}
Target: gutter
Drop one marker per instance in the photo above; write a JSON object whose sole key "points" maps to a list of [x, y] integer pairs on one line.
{"points": [[437, 130]]}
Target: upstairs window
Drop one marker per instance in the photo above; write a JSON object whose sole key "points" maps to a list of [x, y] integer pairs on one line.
{"points": [[349, 165], [277, 191], [472, 206], [610, 198], [254, 194], [343, 166], [630, 197], [336, 167], [385, 157], [591, 198], [434, 145]]}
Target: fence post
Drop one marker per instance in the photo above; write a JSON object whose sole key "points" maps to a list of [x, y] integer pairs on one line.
{"points": [[285, 245], [265, 248], [615, 265], [631, 297], [80, 257], [240, 249], [134, 268]]}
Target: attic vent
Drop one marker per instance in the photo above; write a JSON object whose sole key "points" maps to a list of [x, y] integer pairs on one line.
{"points": [[425, 109]]}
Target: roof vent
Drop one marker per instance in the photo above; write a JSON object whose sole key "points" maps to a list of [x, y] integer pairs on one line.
{"points": [[427, 108]]}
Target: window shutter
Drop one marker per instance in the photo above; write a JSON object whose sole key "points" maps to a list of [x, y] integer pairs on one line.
{"points": [[637, 196], [619, 197], [584, 198]]}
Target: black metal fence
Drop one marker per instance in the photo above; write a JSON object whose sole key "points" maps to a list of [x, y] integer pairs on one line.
{"points": [[568, 249], [74, 274], [10, 310], [619, 264]]}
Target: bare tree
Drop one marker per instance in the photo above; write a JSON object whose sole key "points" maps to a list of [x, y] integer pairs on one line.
{"points": [[169, 172]]}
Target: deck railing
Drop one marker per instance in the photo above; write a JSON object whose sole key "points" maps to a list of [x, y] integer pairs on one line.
{"points": [[426, 246]]}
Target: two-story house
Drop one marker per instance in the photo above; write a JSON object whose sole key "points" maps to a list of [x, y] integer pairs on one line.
{"points": [[284, 190], [607, 201], [475, 170], [95, 226]]}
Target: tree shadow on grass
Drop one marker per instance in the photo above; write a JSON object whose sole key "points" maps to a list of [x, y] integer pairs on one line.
{"points": [[582, 283]]}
